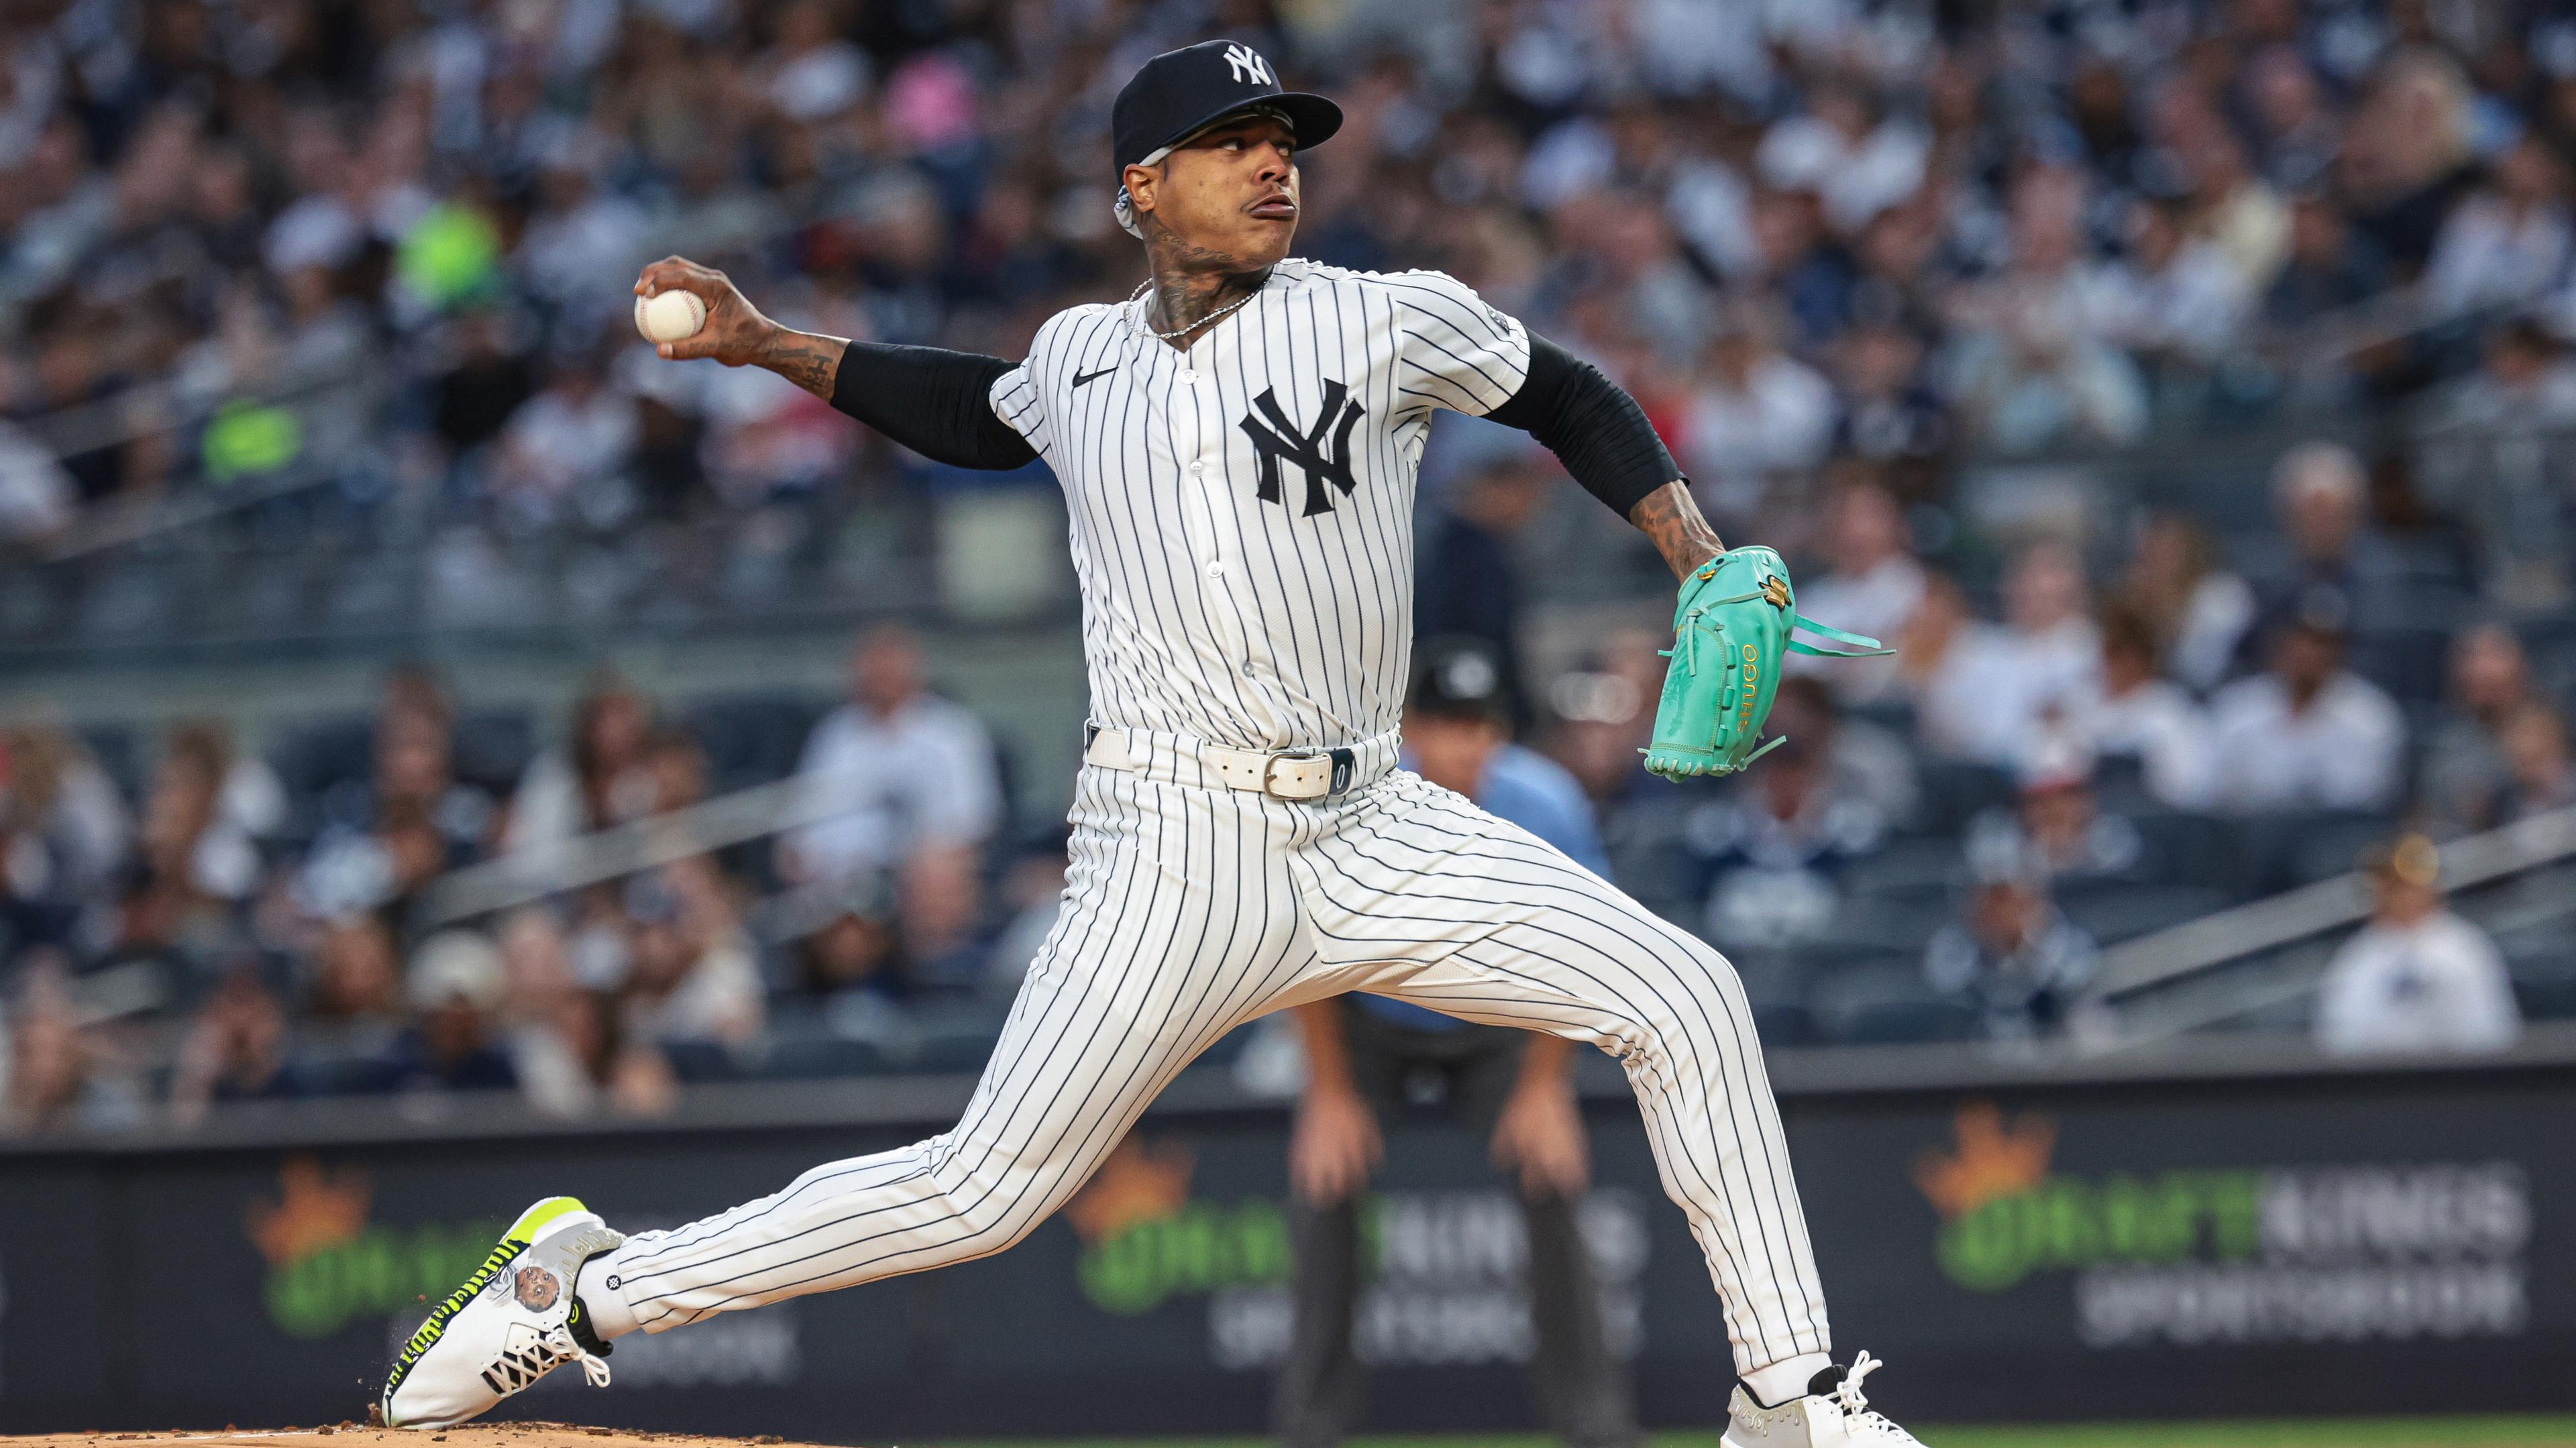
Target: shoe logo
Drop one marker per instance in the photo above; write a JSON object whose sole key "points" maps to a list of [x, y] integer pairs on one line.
{"points": [[1079, 378], [537, 1288]]}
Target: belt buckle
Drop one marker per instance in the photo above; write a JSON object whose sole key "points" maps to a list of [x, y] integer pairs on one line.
{"points": [[1270, 774], [1345, 765]]}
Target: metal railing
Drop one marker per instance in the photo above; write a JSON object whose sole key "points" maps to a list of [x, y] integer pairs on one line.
{"points": [[2269, 953]]}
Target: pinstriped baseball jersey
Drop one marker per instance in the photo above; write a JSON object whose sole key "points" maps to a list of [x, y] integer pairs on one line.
{"points": [[1242, 513]]}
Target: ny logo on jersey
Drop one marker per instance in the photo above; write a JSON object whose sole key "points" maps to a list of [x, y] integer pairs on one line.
{"points": [[1282, 441], [1246, 64]]}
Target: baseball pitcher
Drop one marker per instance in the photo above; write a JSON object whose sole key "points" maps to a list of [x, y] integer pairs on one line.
{"points": [[1237, 443]]}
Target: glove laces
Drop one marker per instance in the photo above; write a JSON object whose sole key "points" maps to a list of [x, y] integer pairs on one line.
{"points": [[559, 1340], [1688, 643]]}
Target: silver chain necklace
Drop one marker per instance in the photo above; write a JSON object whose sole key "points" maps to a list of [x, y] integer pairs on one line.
{"points": [[1194, 326]]}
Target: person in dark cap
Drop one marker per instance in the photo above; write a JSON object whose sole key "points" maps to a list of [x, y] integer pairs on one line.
{"points": [[1368, 1055]]}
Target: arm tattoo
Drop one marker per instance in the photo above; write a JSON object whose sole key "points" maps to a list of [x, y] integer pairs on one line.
{"points": [[809, 361], [1671, 517]]}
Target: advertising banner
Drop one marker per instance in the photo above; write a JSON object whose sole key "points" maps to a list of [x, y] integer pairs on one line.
{"points": [[2342, 1244]]}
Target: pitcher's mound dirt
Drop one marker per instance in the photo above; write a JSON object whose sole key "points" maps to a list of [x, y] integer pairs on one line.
{"points": [[359, 1435]]}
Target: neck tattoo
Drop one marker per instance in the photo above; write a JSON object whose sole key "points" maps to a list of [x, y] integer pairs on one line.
{"points": [[1188, 327]]}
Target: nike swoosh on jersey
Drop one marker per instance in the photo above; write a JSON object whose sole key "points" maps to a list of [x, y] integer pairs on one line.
{"points": [[1080, 378]]}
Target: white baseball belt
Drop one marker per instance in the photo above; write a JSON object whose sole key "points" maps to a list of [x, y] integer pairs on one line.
{"points": [[1294, 774]]}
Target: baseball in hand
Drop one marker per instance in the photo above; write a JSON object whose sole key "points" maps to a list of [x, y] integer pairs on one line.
{"points": [[670, 316]]}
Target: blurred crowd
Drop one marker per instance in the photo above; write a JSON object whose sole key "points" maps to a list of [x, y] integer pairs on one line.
{"points": [[258, 927], [1819, 239], [1851, 256]]}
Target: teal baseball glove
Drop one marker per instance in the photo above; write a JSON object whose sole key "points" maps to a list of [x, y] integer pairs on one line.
{"points": [[1731, 630]]}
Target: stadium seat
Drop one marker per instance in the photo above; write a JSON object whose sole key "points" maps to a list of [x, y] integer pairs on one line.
{"points": [[817, 1058], [1956, 791], [2332, 845], [750, 738], [2410, 662], [114, 747], [2546, 997], [342, 1075], [493, 747], [955, 1038], [697, 1062], [325, 751], [2542, 961], [1923, 872], [1889, 1005], [2192, 849], [2277, 852], [1228, 1048], [1647, 858], [2113, 911], [1784, 1023]]}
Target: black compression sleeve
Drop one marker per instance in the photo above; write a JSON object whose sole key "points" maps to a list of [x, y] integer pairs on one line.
{"points": [[1592, 425], [935, 402]]}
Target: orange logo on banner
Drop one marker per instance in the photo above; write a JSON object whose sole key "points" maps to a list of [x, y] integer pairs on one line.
{"points": [[1138, 1183], [1995, 1159], [314, 1209]]}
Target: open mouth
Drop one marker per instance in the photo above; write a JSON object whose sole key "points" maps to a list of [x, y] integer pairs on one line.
{"points": [[1275, 208]]}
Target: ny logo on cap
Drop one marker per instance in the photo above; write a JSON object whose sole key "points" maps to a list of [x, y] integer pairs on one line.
{"points": [[1246, 64]]}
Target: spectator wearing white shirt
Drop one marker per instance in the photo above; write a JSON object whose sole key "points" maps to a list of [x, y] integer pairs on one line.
{"points": [[2027, 364], [2013, 685], [2418, 979], [2151, 719], [37, 496], [2308, 734], [913, 786], [2197, 613], [2508, 241], [2176, 296], [2236, 210], [1759, 413], [1857, 164], [693, 974], [1874, 587], [575, 431], [597, 778]]}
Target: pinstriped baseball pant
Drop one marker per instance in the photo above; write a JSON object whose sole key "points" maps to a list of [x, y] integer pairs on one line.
{"points": [[1190, 909]]}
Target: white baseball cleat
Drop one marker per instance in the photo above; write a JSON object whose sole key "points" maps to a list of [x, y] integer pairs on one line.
{"points": [[513, 1322], [1831, 1415]]}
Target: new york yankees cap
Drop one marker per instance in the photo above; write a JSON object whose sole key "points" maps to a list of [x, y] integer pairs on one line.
{"points": [[1181, 92]]}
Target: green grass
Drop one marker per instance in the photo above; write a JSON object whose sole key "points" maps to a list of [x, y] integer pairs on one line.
{"points": [[2552, 1432]]}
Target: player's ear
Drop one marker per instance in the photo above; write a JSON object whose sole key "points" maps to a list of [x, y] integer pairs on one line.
{"points": [[1140, 181]]}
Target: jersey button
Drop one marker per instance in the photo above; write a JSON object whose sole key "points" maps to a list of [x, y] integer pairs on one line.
{"points": [[1189, 375], [1216, 570], [1198, 470]]}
